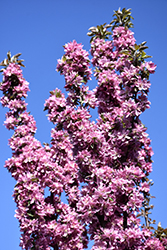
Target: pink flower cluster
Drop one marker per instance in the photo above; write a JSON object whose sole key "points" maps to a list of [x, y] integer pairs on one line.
{"points": [[101, 167], [74, 65], [45, 222], [123, 38]]}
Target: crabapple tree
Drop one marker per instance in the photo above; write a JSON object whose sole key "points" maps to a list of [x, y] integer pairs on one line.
{"points": [[102, 166]]}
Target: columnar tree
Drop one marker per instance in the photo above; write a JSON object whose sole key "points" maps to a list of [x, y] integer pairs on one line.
{"points": [[102, 166]]}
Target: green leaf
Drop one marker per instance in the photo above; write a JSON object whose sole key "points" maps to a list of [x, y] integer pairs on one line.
{"points": [[31, 215], [143, 48], [63, 58], [9, 55], [125, 52], [89, 33], [123, 18], [34, 179], [147, 56], [136, 47]]}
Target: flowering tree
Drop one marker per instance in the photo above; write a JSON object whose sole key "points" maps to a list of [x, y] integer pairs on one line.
{"points": [[102, 167]]}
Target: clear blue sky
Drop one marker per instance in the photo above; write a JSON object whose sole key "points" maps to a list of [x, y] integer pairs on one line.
{"points": [[38, 29]]}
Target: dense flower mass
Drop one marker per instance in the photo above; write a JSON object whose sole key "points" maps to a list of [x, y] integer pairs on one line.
{"points": [[74, 65], [43, 220], [123, 38], [101, 167]]}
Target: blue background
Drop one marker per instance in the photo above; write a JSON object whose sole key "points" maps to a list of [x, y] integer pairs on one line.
{"points": [[38, 29]]}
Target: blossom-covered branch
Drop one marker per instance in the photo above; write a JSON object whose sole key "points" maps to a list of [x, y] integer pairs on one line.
{"points": [[101, 166]]}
